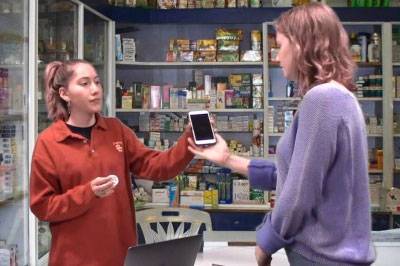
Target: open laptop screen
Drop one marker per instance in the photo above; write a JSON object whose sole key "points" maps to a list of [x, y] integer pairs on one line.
{"points": [[175, 252]]}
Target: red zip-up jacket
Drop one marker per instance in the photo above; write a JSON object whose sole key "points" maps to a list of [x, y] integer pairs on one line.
{"points": [[87, 230]]}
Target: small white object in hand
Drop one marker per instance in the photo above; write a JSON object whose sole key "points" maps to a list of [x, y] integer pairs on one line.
{"points": [[115, 180]]}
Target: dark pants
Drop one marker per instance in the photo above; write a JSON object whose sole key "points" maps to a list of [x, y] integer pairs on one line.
{"points": [[295, 259]]}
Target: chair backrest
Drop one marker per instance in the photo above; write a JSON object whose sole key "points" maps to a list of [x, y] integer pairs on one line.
{"points": [[171, 223]]}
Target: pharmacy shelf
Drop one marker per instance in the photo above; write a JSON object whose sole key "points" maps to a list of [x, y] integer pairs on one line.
{"points": [[284, 99], [229, 15], [187, 110], [233, 206], [369, 99], [12, 66], [188, 64], [198, 157], [375, 171], [396, 135], [368, 64], [370, 135], [10, 117], [275, 134], [359, 64], [361, 99], [396, 99], [236, 207], [396, 64], [178, 132]]}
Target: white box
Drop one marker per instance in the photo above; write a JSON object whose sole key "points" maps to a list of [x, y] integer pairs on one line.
{"points": [[128, 49], [192, 198], [207, 84], [155, 97], [241, 190], [160, 195]]}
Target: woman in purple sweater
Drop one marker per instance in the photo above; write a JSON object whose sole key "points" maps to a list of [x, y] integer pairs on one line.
{"points": [[322, 214]]}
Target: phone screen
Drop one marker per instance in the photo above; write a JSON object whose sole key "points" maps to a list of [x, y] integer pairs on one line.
{"points": [[201, 127]]}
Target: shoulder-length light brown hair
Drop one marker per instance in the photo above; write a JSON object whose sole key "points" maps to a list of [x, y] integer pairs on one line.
{"points": [[321, 46], [58, 74]]}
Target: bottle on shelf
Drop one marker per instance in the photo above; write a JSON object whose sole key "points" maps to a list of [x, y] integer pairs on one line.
{"points": [[118, 94], [374, 48], [290, 89], [355, 47], [127, 98], [362, 39]]}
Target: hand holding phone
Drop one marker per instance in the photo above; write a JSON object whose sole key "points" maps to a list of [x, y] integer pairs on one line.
{"points": [[203, 132]]}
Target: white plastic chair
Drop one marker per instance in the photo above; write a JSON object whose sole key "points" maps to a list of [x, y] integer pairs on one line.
{"points": [[179, 216]]}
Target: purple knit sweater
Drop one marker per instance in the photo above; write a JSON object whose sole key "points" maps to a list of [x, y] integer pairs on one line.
{"points": [[321, 180]]}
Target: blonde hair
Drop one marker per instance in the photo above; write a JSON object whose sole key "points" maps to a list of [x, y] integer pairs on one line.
{"points": [[321, 46], [57, 75]]}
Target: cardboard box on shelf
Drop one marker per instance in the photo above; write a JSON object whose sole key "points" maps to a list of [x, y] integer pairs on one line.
{"points": [[192, 198]]}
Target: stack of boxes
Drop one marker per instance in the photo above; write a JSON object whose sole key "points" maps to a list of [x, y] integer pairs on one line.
{"points": [[396, 45], [369, 86], [396, 86], [258, 90], [243, 91], [240, 93], [253, 55], [375, 188], [270, 118], [241, 191], [241, 123], [374, 125], [206, 50], [257, 147], [8, 153], [396, 123], [228, 44], [125, 49], [184, 50], [185, 4], [238, 148], [224, 48]]}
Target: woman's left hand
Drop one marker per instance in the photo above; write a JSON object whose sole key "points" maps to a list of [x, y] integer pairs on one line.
{"points": [[263, 259]]}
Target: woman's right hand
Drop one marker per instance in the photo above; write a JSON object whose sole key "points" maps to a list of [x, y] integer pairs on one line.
{"points": [[102, 186], [217, 153]]}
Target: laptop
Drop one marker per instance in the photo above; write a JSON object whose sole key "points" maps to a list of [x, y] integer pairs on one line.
{"points": [[175, 252]]}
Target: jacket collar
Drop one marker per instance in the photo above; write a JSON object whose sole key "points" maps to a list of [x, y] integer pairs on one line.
{"points": [[62, 132]]}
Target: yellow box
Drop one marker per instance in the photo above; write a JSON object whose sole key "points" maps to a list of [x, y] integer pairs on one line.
{"points": [[208, 197], [207, 45]]}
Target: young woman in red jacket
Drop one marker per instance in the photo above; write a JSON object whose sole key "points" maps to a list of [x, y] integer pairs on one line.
{"points": [[91, 214]]}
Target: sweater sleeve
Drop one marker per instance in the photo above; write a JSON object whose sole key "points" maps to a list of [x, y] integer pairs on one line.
{"points": [[47, 200], [156, 165], [314, 152], [262, 174]]}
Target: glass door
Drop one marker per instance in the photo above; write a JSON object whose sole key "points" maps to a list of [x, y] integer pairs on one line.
{"points": [[14, 39], [57, 40], [95, 50]]}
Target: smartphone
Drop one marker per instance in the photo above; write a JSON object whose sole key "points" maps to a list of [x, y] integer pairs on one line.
{"points": [[203, 132]]}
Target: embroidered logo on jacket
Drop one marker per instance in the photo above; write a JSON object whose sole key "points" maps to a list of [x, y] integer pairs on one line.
{"points": [[118, 146]]}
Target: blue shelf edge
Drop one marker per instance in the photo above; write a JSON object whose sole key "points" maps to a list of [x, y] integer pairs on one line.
{"points": [[235, 15]]}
